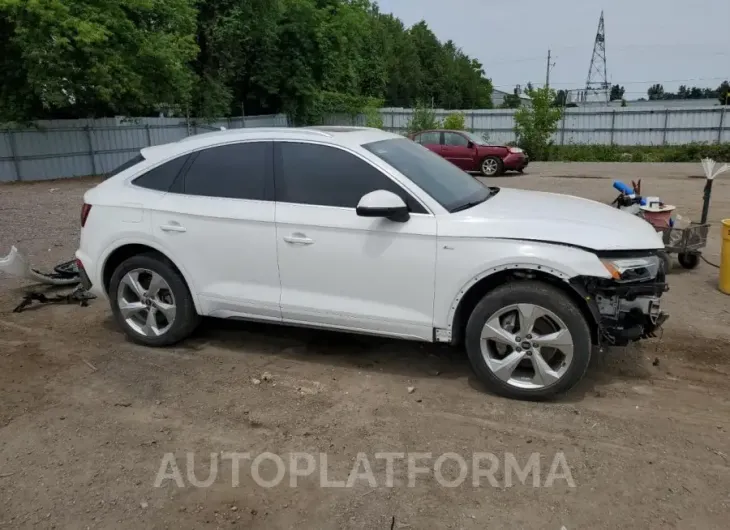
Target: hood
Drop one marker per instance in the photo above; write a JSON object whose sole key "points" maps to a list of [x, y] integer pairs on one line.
{"points": [[553, 217]]}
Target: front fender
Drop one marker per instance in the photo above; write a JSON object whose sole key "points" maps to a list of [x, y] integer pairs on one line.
{"points": [[462, 263]]}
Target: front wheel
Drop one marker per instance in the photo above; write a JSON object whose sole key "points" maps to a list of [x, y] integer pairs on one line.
{"points": [[528, 340], [492, 166]]}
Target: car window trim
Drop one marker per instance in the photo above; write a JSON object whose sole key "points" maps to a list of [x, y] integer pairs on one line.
{"points": [[429, 211], [269, 185]]}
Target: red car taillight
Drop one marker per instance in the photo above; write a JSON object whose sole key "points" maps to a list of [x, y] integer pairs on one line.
{"points": [[85, 210]]}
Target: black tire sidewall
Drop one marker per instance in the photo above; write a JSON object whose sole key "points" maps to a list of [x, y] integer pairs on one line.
{"points": [[544, 295], [688, 260], [186, 318]]}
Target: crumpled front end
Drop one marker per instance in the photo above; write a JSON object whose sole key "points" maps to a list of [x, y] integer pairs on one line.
{"points": [[627, 307]]}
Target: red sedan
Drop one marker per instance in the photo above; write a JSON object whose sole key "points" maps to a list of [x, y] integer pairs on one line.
{"points": [[471, 153]]}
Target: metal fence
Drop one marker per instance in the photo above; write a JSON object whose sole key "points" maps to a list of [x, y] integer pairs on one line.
{"points": [[604, 126], [69, 148]]}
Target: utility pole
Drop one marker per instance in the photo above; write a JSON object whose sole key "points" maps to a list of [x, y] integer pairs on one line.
{"points": [[547, 75]]}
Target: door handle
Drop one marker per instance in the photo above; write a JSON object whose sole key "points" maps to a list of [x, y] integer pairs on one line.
{"points": [[173, 227], [298, 239]]}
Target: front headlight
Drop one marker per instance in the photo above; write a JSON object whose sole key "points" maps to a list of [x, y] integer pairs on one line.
{"points": [[632, 269]]}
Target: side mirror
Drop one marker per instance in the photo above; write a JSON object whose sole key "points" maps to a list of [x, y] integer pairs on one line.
{"points": [[382, 203], [470, 145]]}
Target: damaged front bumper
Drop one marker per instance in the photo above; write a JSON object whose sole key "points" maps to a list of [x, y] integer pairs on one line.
{"points": [[17, 264], [627, 312]]}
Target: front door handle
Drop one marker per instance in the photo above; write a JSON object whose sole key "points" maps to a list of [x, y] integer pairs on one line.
{"points": [[173, 227], [298, 239]]}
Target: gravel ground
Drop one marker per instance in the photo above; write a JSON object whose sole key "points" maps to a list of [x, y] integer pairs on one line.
{"points": [[86, 417]]}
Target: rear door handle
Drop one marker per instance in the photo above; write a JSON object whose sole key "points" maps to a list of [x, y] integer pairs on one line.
{"points": [[298, 239], [173, 227]]}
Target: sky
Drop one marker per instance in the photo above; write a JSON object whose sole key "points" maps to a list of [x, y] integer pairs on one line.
{"points": [[672, 42]]}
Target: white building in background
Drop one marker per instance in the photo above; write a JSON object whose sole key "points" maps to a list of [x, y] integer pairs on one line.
{"points": [[499, 95]]}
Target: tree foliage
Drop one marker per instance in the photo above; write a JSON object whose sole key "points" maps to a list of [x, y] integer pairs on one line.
{"points": [[617, 92], [657, 91], [423, 118], [87, 58], [534, 125], [723, 93], [455, 122]]}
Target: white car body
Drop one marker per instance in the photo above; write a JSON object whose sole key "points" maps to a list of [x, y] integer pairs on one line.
{"points": [[327, 266]]}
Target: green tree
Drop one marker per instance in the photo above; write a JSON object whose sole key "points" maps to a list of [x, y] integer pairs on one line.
{"points": [[723, 93], [423, 119], [455, 122], [655, 92], [512, 101], [617, 92], [534, 125], [62, 59]]}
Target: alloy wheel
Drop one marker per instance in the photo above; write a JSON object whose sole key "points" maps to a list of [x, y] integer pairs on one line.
{"points": [[146, 302], [527, 346], [490, 166]]}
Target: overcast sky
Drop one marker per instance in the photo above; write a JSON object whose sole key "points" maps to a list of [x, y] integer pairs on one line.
{"points": [[672, 42]]}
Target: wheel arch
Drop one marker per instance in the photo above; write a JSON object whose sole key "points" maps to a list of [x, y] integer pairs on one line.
{"points": [[128, 249], [479, 286]]}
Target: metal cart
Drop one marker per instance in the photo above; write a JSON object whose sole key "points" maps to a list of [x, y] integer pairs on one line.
{"points": [[687, 243]]}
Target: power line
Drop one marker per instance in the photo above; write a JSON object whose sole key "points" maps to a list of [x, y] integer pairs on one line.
{"points": [[649, 82]]}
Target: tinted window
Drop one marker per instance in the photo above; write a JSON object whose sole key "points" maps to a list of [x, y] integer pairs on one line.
{"points": [[455, 139], [327, 176], [234, 171], [429, 138], [446, 183], [129, 163], [161, 177]]}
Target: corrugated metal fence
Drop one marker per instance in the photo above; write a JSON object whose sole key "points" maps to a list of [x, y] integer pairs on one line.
{"points": [[606, 126], [67, 148], [70, 148]]}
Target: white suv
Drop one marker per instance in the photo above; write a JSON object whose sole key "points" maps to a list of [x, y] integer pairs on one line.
{"points": [[360, 230]]}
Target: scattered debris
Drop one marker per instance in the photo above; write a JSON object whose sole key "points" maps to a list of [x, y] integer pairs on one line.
{"points": [[411, 389], [89, 364], [656, 361], [685, 487], [143, 505], [123, 404], [256, 381], [78, 296], [266, 376], [6, 475]]}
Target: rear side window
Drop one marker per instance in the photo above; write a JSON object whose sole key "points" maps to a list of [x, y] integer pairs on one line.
{"points": [[327, 176], [429, 138], [129, 163], [161, 177], [234, 171]]}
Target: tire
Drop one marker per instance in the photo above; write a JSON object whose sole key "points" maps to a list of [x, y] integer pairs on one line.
{"points": [[688, 260], [563, 374], [184, 320], [491, 166]]}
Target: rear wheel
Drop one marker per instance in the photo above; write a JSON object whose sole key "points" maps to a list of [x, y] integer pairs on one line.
{"points": [[492, 166], [528, 340], [151, 302]]}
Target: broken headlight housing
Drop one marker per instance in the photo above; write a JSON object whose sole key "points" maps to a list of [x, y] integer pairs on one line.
{"points": [[629, 270]]}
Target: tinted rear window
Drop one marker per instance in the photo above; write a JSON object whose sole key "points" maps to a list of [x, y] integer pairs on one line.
{"points": [[161, 177]]}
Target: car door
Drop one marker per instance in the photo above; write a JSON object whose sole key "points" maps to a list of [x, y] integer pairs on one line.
{"points": [[457, 150], [430, 140], [218, 223], [341, 270]]}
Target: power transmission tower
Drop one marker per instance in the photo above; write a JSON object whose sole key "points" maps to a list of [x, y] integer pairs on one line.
{"points": [[597, 73]]}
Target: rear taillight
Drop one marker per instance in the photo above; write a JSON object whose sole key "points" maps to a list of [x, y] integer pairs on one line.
{"points": [[85, 210]]}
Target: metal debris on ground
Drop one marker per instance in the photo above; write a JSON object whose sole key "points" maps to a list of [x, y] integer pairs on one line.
{"points": [[78, 296]]}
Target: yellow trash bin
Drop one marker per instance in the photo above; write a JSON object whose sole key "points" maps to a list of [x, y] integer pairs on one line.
{"points": [[725, 258]]}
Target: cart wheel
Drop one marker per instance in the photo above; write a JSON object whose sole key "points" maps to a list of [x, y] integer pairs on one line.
{"points": [[666, 261], [688, 261]]}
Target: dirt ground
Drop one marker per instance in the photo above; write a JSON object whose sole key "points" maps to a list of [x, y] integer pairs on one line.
{"points": [[86, 417]]}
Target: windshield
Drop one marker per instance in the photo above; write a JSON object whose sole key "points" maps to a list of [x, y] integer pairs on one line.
{"points": [[477, 139], [451, 187]]}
